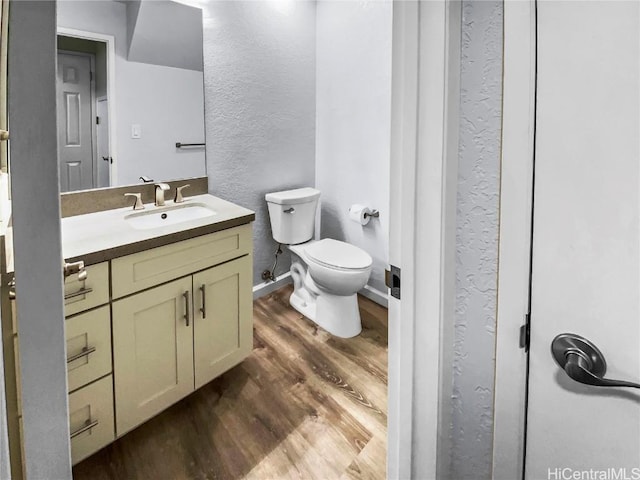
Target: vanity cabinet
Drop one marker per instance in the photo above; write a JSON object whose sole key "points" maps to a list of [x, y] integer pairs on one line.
{"points": [[146, 329], [171, 339]]}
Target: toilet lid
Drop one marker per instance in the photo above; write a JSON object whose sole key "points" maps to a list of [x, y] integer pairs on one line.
{"points": [[335, 253]]}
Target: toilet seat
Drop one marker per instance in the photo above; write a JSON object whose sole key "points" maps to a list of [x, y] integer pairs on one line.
{"points": [[338, 255]]}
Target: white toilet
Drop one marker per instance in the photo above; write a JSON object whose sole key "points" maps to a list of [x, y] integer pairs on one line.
{"points": [[329, 273]]}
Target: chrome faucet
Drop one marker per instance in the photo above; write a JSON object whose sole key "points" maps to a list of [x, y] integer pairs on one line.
{"points": [[160, 189]]}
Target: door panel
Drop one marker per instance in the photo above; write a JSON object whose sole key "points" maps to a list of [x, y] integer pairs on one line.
{"points": [[586, 256], [75, 135], [223, 333], [152, 352]]}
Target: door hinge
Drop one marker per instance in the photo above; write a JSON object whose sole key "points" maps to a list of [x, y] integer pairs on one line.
{"points": [[97, 120], [525, 332], [91, 76], [392, 280]]}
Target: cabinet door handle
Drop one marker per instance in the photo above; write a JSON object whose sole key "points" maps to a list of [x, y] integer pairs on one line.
{"points": [[186, 306], [88, 425], [204, 302], [82, 291], [85, 352]]}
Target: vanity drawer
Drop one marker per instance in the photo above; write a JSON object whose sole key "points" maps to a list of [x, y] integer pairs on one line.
{"points": [[91, 418], [159, 265], [88, 347], [89, 293]]}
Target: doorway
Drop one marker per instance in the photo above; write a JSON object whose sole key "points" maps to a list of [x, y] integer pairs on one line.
{"points": [[83, 114]]}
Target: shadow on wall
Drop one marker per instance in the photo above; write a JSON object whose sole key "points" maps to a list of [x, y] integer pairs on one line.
{"points": [[330, 224]]}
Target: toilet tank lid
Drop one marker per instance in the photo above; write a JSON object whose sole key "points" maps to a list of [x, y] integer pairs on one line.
{"points": [[292, 197]]}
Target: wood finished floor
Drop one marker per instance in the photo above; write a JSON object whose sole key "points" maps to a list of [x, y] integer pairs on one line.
{"points": [[304, 405]]}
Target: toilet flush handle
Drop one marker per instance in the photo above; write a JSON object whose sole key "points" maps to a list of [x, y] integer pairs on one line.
{"points": [[290, 210]]}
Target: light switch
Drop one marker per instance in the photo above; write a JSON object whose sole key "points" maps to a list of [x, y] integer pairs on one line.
{"points": [[136, 131]]}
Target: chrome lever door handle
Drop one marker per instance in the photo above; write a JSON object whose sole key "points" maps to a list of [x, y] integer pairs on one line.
{"points": [[583, 362]]}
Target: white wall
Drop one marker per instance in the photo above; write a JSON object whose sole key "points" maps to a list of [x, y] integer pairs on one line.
{"points": [[259, 66], [353, 115], [167, 102]]}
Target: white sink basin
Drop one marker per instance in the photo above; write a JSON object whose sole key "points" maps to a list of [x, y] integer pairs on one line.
{"points": [[169, 215]]}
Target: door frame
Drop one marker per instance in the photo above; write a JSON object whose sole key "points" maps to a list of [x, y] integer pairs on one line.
{"points": [[111, 88], [93, 106], [36, 233], [423, 184], [98, 157], [516, 203]]}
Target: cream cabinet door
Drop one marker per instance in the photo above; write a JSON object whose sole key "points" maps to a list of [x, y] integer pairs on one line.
{"points": [[152, 351], [223, 323]]}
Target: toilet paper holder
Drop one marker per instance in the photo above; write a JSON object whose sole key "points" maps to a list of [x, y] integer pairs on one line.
{"points": [[374, 213]]}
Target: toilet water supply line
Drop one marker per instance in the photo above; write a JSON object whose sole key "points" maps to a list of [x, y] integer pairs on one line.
{"points": [[271, 274]]}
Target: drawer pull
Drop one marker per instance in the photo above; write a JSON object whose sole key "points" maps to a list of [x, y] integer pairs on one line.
{"points": [[85, 351], [82, 291], [186, 306], [69, 269], [88, 425], [204, 302]]}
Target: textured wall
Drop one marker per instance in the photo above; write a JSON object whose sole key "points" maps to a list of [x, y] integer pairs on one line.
{"points": [[476, 240], [259, 68], [353, 122]]}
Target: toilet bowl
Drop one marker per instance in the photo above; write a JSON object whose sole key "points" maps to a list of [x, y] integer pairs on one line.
{"points": [[327, 273], [326, 280]]}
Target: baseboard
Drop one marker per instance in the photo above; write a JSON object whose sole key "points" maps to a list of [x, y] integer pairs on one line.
{"points": [[265, 288], [375, 295]]}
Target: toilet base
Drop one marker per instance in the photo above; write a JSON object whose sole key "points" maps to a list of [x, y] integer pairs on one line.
{"points": [[337, 314], [303, 304], [340, 316]]}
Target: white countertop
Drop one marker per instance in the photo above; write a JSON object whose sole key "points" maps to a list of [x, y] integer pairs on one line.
{"points": [[92, 233]]}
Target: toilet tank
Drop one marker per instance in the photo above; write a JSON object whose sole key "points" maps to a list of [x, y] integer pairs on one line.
{"points": [[293, 214]]}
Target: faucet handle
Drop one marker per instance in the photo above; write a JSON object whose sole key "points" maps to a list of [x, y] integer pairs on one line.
{"points": [[138, 205], [178, 198]]}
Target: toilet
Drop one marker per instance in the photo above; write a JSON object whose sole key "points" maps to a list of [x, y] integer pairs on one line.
{"points": [[327, 273]]}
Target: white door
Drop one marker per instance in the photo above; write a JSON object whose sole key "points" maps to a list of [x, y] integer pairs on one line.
{"points": [[586, 240], [75, 122], [103, 161]]}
